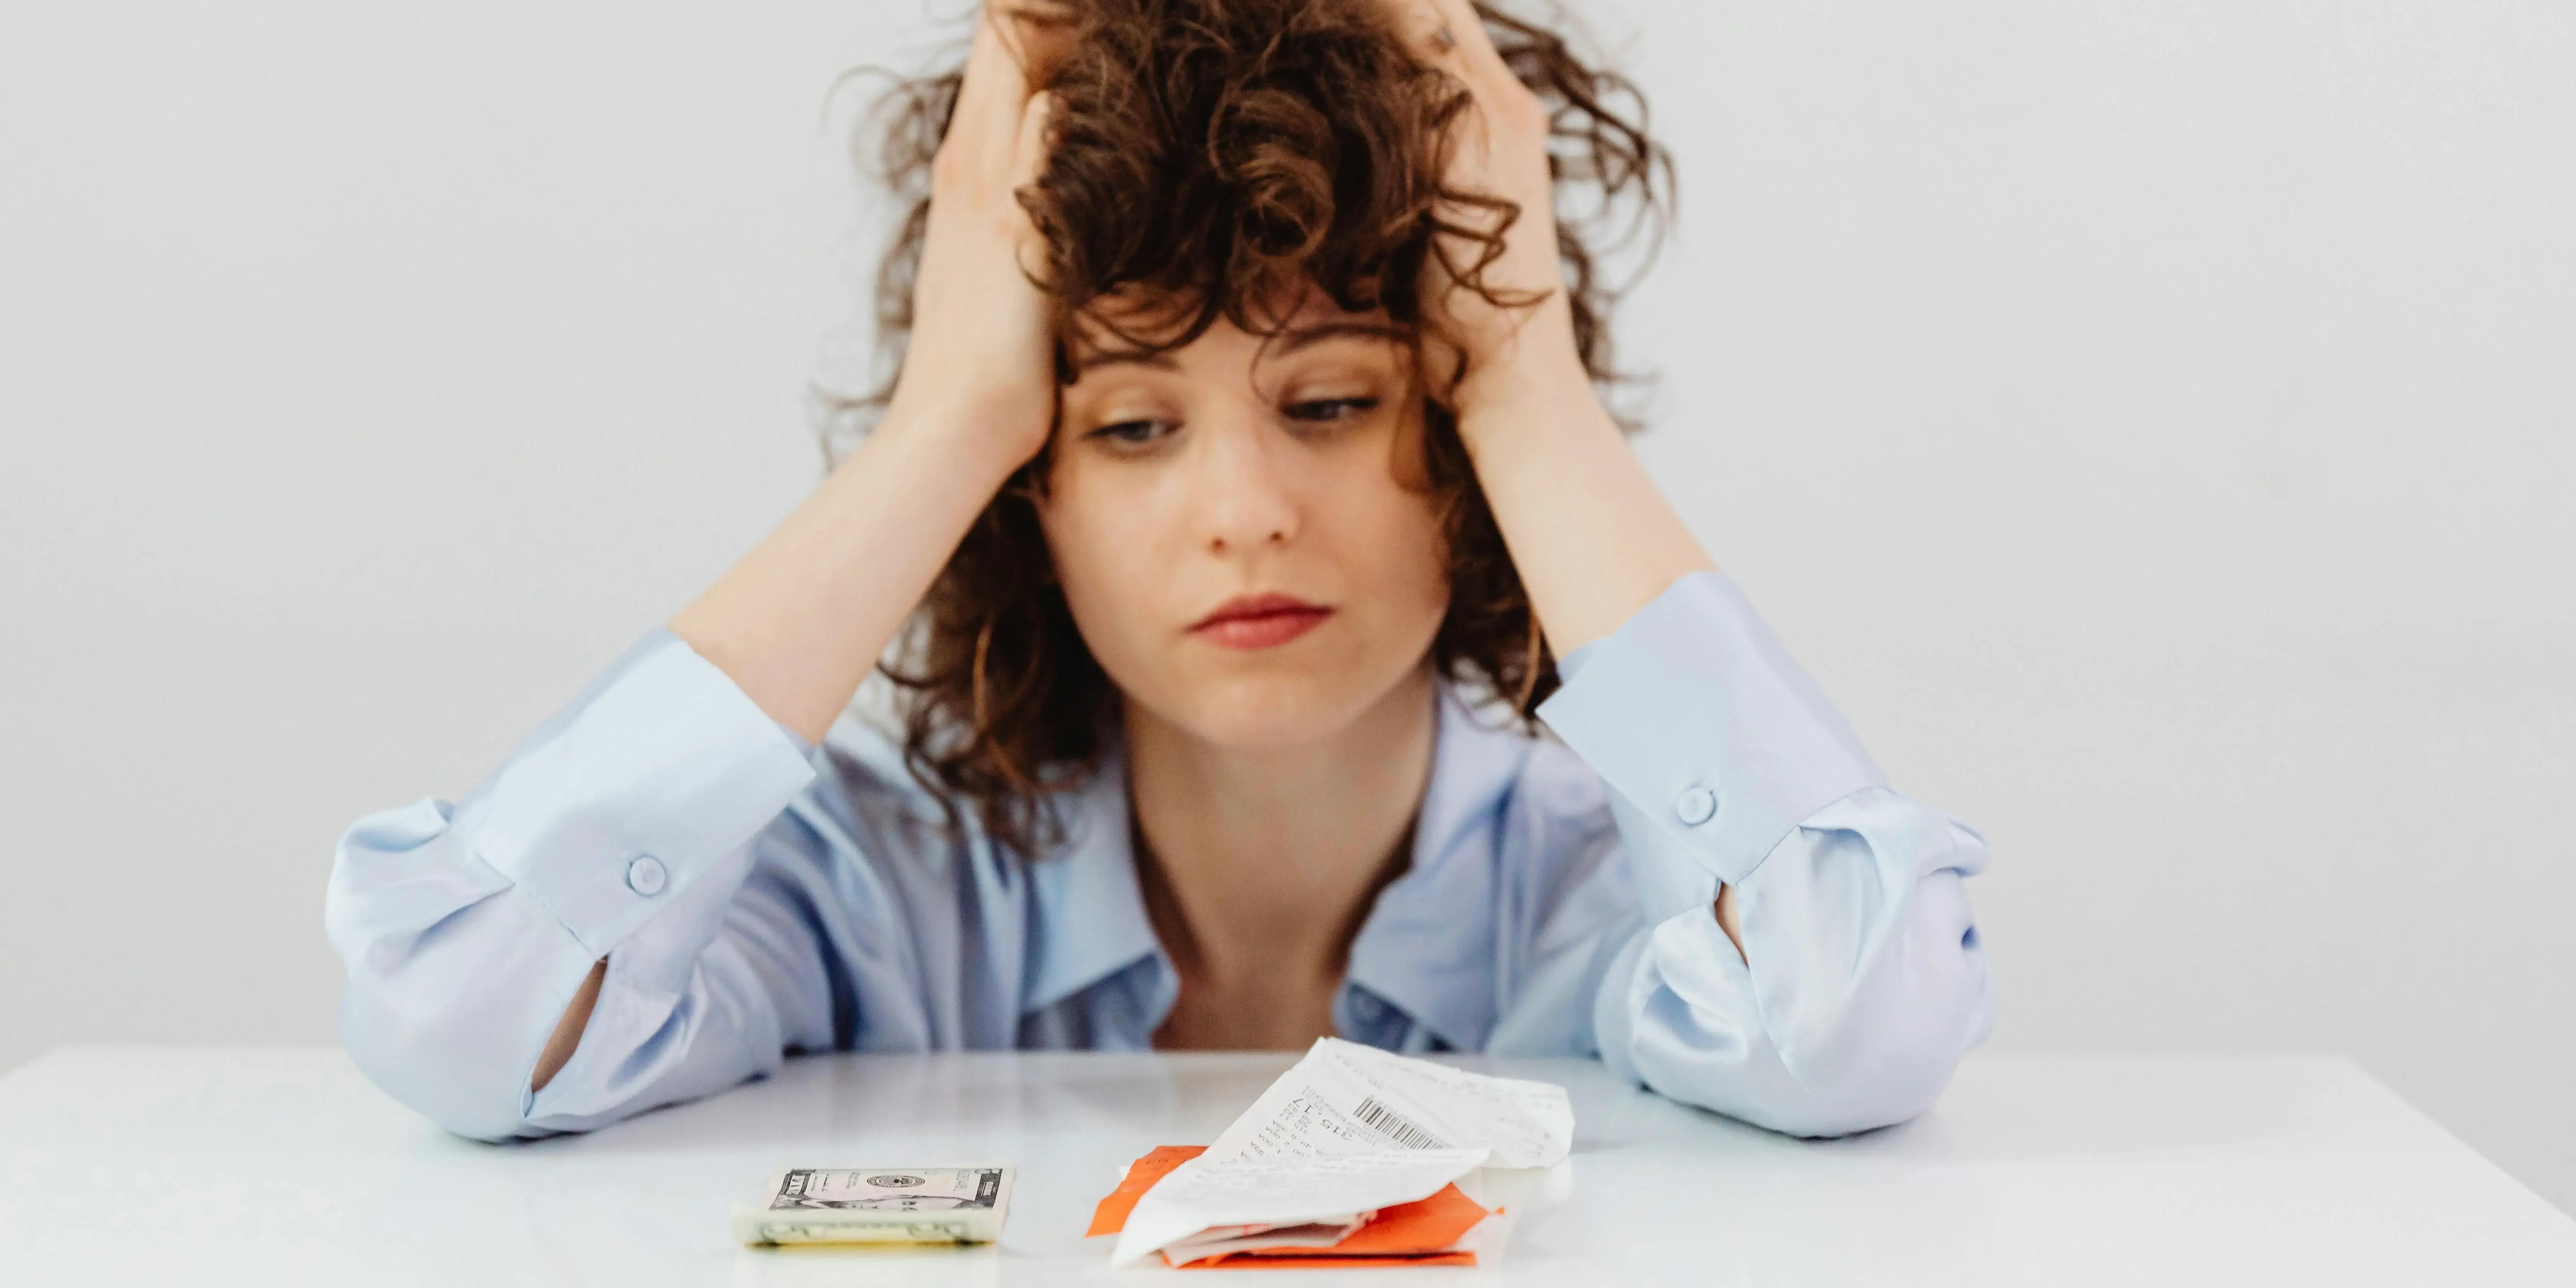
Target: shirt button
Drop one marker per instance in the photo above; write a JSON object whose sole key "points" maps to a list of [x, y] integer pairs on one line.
{"points": [[646, 876], [1696, 806]]}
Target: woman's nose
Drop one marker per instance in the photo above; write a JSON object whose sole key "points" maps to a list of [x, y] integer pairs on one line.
{"points": [[1246, 498]]}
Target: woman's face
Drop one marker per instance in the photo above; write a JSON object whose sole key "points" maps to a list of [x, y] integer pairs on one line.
{"points": [[1187, 483]]}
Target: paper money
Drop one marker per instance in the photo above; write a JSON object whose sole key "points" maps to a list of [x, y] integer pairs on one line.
{"points": [[879, 1205]]}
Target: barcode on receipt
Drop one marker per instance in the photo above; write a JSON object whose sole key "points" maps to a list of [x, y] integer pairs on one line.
{"points": [[1394, 1126]]}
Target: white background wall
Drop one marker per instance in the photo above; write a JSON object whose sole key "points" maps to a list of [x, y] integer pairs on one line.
{"points": [[2152, 422]]}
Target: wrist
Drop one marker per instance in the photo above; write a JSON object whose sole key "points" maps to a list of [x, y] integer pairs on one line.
{"points": [[1535, 361], [1524, 392], [986, 439]]}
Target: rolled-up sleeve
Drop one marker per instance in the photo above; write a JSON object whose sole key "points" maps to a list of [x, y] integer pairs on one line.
{"points": [[621, 829], [1862, 980]]}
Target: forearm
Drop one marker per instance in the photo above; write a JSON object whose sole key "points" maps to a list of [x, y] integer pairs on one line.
{"points": [[446, 1019], [1855, 976], [454, 975], [801, 619], [800, 622], [1592, 536], [627, 829], [567, 1034], [1865, 982]]}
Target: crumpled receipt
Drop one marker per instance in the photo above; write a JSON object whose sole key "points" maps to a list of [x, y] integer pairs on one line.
{"points": [[1347, 1131]]}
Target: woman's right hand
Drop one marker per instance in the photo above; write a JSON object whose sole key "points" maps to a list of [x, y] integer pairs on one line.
{"points": [[981, 358], [802, 619]]}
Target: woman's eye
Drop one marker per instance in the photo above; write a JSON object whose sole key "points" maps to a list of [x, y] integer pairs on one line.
{"points": [[1131, 431], [1330, 409]]}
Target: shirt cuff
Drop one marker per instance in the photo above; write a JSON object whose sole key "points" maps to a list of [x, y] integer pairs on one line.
{"points": [[628, 797], [1694, 712]]}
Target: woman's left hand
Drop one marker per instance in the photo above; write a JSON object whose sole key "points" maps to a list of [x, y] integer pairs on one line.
{"points": [[1591, 536], [1499, 150]]}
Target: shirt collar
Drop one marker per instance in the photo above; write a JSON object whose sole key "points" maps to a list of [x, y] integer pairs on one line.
{"points": [[1090, 910], [1427, 946]]}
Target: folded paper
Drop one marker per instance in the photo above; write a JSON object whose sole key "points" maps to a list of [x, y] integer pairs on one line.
{"points": [[1353, 1153], [1424, 1232]]}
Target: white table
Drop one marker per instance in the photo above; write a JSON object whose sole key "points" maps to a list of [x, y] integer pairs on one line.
{"points": [[284, 1166]]}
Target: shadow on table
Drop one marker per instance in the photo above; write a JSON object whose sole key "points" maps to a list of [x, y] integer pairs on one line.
{"points": [[874, 1268], [996, 1094]]}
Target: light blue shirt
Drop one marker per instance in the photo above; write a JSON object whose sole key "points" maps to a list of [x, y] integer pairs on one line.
{"points": [[757, 897]]}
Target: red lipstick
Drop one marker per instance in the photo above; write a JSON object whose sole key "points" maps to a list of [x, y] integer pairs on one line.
{"points": [[1266, 620]]}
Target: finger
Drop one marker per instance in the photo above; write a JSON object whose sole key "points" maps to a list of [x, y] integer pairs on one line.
{"points": [[1028, 158], [1426, 34], [986, 58], [1038, 33], [1029, 149], [1456, 37], [995, 93]]}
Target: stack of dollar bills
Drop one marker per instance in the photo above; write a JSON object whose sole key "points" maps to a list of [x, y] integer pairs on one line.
{"points": [[879, 1205]]}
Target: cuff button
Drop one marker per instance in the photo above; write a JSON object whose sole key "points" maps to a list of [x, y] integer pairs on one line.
{"points": [[646, 876], [1696, 806]]}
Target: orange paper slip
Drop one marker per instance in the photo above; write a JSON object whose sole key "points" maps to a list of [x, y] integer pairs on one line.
{"points": [[1111, 1216], [1421, 1233]]}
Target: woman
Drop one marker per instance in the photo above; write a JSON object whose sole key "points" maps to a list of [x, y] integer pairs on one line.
{"points": [[1246, 487]]}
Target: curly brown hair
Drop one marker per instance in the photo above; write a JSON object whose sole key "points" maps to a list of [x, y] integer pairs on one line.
{"points": [[1210, 157]]}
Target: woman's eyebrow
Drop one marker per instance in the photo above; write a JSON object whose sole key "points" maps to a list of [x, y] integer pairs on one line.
{"points": [[1108, 357], [1297, 338], [1289, 341]]}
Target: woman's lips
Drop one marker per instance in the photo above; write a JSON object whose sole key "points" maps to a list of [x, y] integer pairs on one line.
{"points": [[1265, 630], [1264, 621]]}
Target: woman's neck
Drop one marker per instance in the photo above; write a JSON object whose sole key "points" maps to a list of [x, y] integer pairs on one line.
{"points": [[1259, 865]]}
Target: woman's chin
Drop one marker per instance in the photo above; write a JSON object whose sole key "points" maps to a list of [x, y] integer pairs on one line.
{"points": [[1273, 712]]}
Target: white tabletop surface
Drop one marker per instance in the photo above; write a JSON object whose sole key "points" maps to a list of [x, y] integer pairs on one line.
{"points": [[285, 1166]]}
